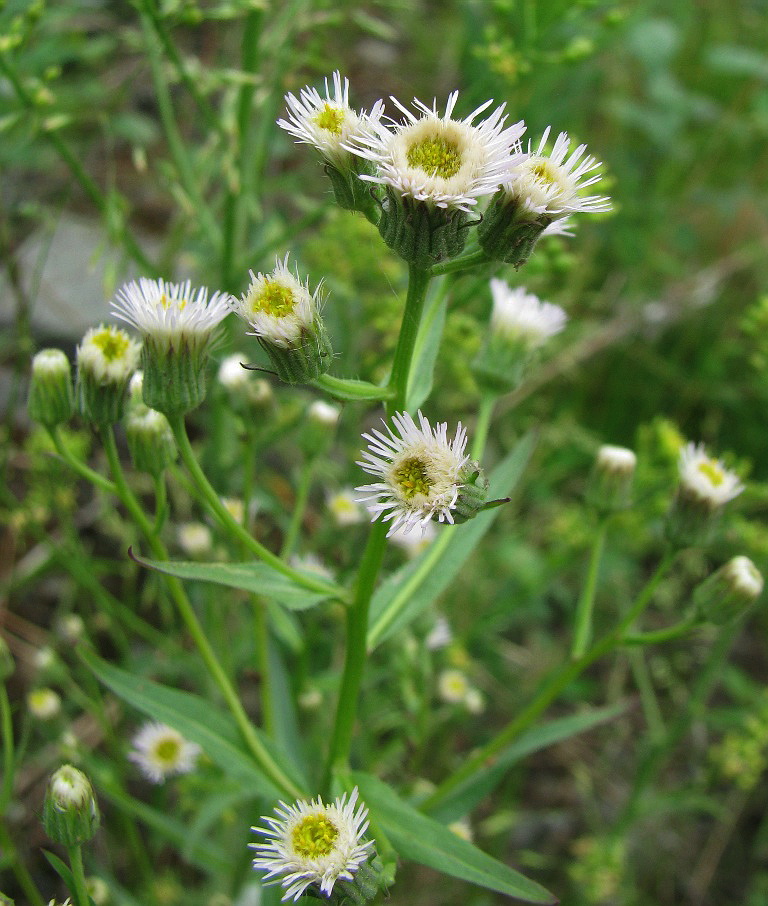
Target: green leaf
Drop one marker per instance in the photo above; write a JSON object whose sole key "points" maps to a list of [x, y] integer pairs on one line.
{"points": [[61, 868], [467, 795], [422, 839], [410, 590], [199, 722], [425, 350], [254, 577]]}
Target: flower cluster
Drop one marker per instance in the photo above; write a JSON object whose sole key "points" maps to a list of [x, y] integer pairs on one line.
{"points": [[434, 168]]}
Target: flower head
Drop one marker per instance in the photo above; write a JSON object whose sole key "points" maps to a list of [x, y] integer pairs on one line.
{"points": [[44, 703], [278, 307], [165, 310], [550, 184], [311, 843], [422, 472], [445, 162], [160, 751], [706, 480], [328, 123], [108, 355], [519, 314], [344, 508]]}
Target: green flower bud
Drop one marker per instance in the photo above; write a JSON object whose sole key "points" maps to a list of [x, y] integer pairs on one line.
{"points": [[151, 443], [610, 484], [729, 592], [51, 396], [70, 812]]}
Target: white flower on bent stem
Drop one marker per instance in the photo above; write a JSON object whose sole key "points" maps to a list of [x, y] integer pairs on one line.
{"points": [[422, 472], [311, 843], [520, 314], [328, 123], [439, 160], [278, 307], [705, 479], [167, 311], [159, 751], [550, 184]]}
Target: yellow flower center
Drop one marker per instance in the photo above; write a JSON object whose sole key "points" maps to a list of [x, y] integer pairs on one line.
{"points": [[713, 472], [166, 302], [167, 751], [112, 343], [412, 478], [331, 119], [274, 299], [435, 156], [314, 836], [544, 171]]}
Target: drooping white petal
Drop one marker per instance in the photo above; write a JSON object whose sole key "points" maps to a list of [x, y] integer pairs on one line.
{"points": [[705, 478]]}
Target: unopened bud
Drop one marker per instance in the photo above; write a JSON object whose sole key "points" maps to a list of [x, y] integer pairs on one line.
{"points": [[70, 812], [51, 395], [610, 484], [151, 443], [318, 430], [728, 592]]}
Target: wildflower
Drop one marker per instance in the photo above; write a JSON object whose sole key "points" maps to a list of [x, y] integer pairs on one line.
{"points": [[51, 398], [424, 475], [318, 429], [462, 828], [44, 703], [177, 324], [106, 359], [330, 124], [245, 393], [610, 484], [729, 592], [453, 686], [70, 813], [344, 508], [520, 324], [434, 170], [194, 539], [440, 635], [235, 507], [539, 191], [311, 843], [285, 317], [704, 489], [160, 752], [706, 480]]}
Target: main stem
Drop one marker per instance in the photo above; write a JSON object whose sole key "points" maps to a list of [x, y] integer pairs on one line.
{"points": [[418, 282], [357, 615]]}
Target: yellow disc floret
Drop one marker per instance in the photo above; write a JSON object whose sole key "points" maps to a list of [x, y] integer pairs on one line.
{"points": [[314, 836], [331, 119], [167, 751], [545, 171], [713, 471], [412, 477], [112, 343], [275, 299], [436, 156]]}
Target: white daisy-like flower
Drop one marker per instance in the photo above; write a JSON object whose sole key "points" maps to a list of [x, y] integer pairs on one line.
{"points": [[160, 752], [325, 414], [439, 160], [453, 686], [165, 310], [520, 314], [422, 472], [311, 843], [328, 123], [705, 479], [43, 703], [344, 508], [550, 184], [278, 306], [108, 355], [195, 539]]}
